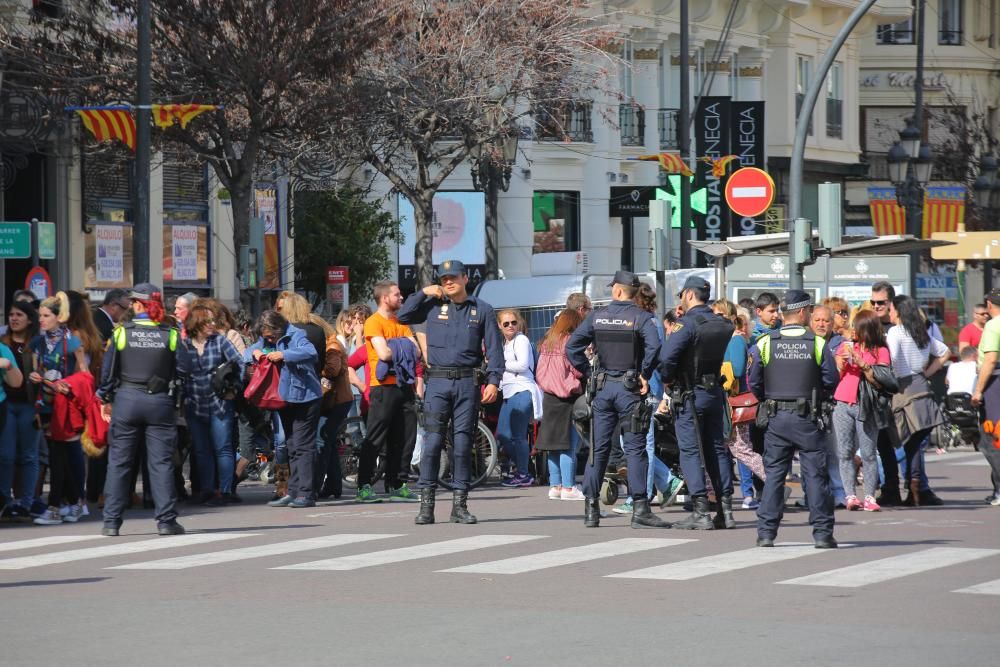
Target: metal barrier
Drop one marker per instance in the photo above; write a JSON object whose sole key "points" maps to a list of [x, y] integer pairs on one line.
{"points": [[538, 319]]}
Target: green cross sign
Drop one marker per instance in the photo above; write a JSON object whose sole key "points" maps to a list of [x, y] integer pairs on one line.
{"points": [[699, 199]]}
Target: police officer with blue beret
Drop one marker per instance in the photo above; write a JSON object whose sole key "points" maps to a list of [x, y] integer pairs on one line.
{"points": [[789, 369], [690, 363], [142, 366], [458, 325], [626, 343]]}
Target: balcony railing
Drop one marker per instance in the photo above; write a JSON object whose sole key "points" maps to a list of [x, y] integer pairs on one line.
{"points": [[666, 122], [950, 37], [834, 118], [890, 34], [632, 124], [564, 121]]}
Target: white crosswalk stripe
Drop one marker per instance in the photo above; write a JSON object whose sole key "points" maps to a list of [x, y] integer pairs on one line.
{"points": [[46, 542], [568, 556], [279, 549], [118, 549], [724, 562], [894, 567], [988, 588], [976, 462], [412, 553]]}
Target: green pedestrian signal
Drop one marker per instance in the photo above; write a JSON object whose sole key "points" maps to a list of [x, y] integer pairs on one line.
{"points": [[699, 199]]}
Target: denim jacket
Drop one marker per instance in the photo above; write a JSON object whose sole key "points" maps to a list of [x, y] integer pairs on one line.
{"points": [[299, 382]]}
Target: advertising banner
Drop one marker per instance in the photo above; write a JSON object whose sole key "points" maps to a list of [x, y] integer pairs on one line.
{"points": [[712, 140], [184, 252], [747, 141], [266, 208], [110, 264], [459, 232]]}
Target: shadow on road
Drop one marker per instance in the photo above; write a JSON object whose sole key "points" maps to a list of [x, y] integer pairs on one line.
{"points": [[54, 582]]}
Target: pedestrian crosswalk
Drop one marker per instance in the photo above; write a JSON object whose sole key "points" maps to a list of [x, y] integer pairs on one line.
{"points": [[662, 560]]}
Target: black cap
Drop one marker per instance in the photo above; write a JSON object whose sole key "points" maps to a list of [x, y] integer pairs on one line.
{"points": [[994, 296], [795, 299], [143, 291], [694, 282], [625, 278], [451, 267]]}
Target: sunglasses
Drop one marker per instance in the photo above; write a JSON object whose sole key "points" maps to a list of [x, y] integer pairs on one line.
{"points": [[508, 324], [879, 302], [842, 313]]}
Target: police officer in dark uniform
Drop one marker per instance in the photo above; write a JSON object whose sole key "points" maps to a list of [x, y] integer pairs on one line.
{"points": [[458, 324], [690, 364], [142, 365], [626, 343], [789, 369]]}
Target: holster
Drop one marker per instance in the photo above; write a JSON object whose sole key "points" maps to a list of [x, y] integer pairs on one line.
{"points": [[638, 422]]}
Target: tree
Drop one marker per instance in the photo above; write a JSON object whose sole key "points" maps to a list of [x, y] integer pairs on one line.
{"points": [[341, 227], [277, 66], [464, 73]]}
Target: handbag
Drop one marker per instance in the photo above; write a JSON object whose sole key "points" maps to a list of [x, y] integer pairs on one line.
{"points": [[262, 390], [886, 378], [744, 407]]}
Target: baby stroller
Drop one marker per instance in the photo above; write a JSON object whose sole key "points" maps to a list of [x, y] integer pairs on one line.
{"points": [[961, 425]]}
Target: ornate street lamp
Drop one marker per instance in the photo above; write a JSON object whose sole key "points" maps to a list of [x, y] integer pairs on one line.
{"points": [[491, 168]]}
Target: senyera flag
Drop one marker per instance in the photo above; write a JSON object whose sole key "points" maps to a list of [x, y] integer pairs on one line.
{"points": [[670, 162], [164, 115], [109, 123]]}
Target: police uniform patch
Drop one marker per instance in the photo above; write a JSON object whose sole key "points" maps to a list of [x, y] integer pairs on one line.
{"points": [[444, 312], [677, 327]]}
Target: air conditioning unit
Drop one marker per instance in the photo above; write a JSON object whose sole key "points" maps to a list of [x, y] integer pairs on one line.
{"points": [[560, 264]]}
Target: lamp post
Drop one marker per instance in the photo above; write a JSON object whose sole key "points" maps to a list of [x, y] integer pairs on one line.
{"points": [[910, 168], [492, 163], [986, 194]]}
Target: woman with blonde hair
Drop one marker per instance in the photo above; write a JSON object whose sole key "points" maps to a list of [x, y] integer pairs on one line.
{"points": [[519, 389]]}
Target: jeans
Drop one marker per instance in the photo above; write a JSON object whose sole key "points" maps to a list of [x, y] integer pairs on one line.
{"points": [[328, 458], [658, 475], [512, 428], [19, 452], [562, 464], [213, 449]]}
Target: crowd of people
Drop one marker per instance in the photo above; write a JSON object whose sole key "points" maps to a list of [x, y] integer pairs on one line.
{"points": [[205, 385]]}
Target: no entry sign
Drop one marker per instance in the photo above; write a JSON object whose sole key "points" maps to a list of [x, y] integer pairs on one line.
{"points": [[749, 191]]}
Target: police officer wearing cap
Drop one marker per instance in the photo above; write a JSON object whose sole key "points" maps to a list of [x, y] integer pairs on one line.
{"points": [[626, 344], [140, 369], [789, 368], [458, 326], [690, 364]]}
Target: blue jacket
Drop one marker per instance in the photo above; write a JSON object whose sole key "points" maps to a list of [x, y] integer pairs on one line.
{"points": [[299, 382], [403, 364]]}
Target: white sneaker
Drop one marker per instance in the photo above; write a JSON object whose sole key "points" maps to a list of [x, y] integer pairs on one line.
{"points": [[572, 493], [50, 517], [74, 515], [63, 510], [555, 492], [85, 510]]}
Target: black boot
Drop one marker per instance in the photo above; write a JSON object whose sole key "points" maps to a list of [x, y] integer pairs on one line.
{"points": [[426, 513], [460, 508], [643, 518], [592, 513], [699, 519], [724, 517]]}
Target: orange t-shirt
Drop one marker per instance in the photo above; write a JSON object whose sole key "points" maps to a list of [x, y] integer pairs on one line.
{"points": [[377, 325]]}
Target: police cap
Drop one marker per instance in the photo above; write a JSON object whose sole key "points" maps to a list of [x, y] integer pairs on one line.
{"points": [[451, 267], [626, 278], [694, 282], [795, 299], [143, 291], [994, 296]]}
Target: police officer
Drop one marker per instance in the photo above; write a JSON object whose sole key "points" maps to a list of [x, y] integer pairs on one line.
{"points": [[458, 324], [139, 370], [789, 368], [690, 364], [626, 343]]}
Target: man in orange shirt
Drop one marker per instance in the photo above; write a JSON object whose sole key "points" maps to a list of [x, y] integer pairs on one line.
{"points": [[392, 413]]}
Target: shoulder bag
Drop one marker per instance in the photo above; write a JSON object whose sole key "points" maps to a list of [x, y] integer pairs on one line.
{"points": [[262, 391]]}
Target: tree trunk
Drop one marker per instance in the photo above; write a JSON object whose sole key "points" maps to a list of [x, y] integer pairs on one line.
{"points": [[423, 214], [242, 197]]}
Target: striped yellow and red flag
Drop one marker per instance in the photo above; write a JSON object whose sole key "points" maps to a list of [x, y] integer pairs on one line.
{"points": [[164, 115], [669, 162], [888, 217], [719, 164], [109, 123], [944, 209]]}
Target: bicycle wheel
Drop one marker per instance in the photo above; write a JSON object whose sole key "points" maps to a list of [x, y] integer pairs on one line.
{"points": [[350, 435], [483, 459]]}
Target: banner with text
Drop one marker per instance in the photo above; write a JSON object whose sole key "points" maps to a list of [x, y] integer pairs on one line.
{"points": [[459, 232], [266, 208], [712, 139], [746, 140]]}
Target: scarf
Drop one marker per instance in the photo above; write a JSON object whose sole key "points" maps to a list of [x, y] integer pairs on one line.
{"points": [[54, 338]]}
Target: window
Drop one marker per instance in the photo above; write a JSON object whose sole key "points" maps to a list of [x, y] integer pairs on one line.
{"points": [[835, 102], [632, 124], [564, 121], [950, 22], [895, 33], [556, 218], [803, 72]]}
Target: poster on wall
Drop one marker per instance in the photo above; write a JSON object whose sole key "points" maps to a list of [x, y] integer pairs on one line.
{"points": [[184, 252], [459, 232], [266, 208], [110, 260]]}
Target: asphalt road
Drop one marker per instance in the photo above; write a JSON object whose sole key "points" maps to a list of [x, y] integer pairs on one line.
{"points": [[528, 585]]}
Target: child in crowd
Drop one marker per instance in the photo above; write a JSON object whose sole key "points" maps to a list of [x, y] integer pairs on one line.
{"points": [[961, 377]]}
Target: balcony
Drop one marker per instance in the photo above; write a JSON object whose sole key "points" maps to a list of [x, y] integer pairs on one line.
{"points": [[564, 121], [632, 124], [666, 122]]}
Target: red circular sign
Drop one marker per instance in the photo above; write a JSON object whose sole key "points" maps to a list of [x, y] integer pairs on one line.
{"points": [[749, 191], [39, 282]]}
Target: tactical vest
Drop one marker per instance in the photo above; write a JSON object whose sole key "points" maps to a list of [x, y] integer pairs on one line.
{"points": [[791, 365], [145, 350], [616, 338], [712, 334]]}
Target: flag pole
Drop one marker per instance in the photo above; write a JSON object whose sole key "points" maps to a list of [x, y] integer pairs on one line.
{"points": [[140, 233]]}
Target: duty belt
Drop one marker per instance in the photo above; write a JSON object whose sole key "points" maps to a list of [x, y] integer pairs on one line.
{"points": [[791, 406], [450, 372], [141, 386]]}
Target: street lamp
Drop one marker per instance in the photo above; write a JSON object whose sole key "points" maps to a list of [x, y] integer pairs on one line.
{"points": [[983, 187], [492, 162]]}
